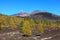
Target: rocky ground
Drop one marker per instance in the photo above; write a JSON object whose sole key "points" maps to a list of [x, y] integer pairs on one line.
{"points": [[16, 35]]}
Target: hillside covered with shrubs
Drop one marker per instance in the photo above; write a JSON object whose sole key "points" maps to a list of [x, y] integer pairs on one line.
{"points": [[28, 25]]}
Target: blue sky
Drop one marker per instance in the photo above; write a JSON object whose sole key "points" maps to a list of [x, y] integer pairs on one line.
{"points": [[10, 7]]}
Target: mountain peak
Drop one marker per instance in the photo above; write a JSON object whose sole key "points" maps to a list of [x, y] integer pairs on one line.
{"points": [[21, 13], [37, 10]]}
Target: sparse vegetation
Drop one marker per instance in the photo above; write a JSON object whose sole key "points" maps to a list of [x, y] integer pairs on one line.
{"points": [[26, 25]]}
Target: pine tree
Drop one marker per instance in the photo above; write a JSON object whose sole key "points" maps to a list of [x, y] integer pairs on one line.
{"points": [[0, 26], [40, 28], [26, 28], [11, 23]]}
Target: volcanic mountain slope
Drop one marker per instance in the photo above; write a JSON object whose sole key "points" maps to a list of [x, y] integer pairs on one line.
{"points": [[37, 14], [45, 15], [21, 14]]}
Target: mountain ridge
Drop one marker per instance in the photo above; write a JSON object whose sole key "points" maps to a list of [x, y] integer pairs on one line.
{"points": [[39, 13]]}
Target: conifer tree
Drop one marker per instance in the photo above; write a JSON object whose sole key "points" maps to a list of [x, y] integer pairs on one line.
{"points": [[26, 28], [12, 24], [40, 28]]}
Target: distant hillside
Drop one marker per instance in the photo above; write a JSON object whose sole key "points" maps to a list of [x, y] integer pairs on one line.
{"points": [[37, 14], [45, 15], [21, 14]]}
